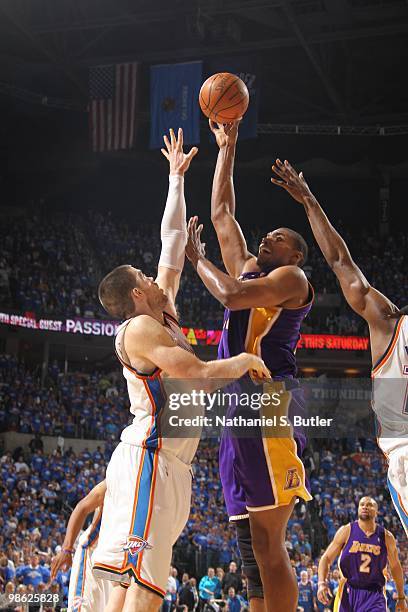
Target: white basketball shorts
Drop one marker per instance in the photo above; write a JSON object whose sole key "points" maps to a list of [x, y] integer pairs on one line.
{"points": [[87, 593], [146, 507], [397, 471]]}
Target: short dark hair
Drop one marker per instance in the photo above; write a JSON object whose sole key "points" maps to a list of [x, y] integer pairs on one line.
{"points": [[114, 292], [300, 245]]}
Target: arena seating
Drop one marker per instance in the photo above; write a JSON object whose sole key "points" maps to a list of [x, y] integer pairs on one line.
{"points": [[38, 491], [76, 405], [51, 263]]}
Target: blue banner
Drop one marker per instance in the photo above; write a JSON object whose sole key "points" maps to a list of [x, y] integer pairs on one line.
{"points": [[174, 90], [247, 69]]}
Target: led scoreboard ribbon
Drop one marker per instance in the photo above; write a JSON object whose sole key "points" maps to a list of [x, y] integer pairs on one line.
{"points": [[195, 336]]}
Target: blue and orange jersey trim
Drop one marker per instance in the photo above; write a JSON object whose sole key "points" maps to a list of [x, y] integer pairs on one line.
{"points": [[390, 348]]}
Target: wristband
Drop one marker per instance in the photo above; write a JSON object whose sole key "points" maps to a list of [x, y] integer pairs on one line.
{"points": [[68, 550], [322, 582], [401, 598]]}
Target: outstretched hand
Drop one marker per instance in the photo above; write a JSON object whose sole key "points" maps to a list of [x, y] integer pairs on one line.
{"points": [[179, 161], [291, 181], [225, 134], [195, 249]]}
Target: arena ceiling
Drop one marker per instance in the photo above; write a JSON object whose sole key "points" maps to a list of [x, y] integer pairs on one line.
{"points": [[334, 61]]}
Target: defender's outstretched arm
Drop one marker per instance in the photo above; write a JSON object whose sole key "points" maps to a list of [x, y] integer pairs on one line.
{"points": [[173, 227], [372, 305]]}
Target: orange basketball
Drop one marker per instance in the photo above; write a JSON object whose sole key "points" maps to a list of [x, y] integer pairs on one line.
{"points": [[224, 97]]}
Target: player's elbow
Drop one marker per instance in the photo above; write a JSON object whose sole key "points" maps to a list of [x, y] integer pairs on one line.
{"points": [[232, 299], [219, 215], [341, 263], [227, 300]]}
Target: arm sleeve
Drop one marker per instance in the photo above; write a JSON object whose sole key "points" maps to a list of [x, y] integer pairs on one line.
{"points": [[173, 231]]}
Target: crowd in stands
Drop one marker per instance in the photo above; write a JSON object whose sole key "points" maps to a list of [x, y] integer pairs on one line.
{"points": [[72, 405], [38, 491], [51, 264]]}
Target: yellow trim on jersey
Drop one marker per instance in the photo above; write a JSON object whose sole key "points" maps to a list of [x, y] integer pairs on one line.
{"points": [[260, 322], [339, 595], [286, 470]]}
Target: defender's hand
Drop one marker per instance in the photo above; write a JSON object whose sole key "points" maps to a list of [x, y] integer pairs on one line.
{"points": [[225, 134], [291, 181], [401, 606], [195, 249], [257, 369], [62, 561], [179, 161]]}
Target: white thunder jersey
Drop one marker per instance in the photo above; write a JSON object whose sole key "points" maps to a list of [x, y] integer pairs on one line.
{"points": [[148, 401], [390, 391]]}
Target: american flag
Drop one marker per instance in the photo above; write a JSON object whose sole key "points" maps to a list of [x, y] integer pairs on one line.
{"points": [[112, 91]]}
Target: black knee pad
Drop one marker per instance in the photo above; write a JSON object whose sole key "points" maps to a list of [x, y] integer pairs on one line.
{"points": [[250, 567]]}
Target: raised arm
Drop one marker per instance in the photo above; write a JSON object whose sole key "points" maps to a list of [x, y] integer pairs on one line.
{"points": [[285, 286], [372, 305], [333, 551], [395, 568], [233, 246], [173, 226], [88, 504]]}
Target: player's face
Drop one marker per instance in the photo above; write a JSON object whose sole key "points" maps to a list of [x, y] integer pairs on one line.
{"points": [[367, 509], [276, 249], [155, 296]]}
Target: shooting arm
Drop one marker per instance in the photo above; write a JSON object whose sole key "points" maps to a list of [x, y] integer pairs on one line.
{"points": [[230, 237], [395, 564]]}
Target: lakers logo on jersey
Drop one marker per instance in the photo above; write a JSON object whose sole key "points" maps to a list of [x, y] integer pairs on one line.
{"points": [[357, 547], [292, 479]]}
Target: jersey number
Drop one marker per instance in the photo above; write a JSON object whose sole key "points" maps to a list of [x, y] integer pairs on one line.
{"points": [[365, 564]]}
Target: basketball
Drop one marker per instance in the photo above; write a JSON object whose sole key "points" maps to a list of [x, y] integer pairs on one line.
{"points": [[224, 97]]}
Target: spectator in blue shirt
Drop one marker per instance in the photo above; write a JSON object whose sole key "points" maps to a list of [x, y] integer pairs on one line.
{"points": [[235, 602], [34, 573], [6, 571], [306, 595], [208, 585]]}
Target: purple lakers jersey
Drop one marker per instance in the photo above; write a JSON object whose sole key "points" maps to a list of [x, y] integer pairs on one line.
{"points": [[364, 558], [271, 333]]}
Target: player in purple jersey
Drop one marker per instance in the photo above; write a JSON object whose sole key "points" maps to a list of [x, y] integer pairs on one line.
{"points": [[364, 548], [266, 297]]}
